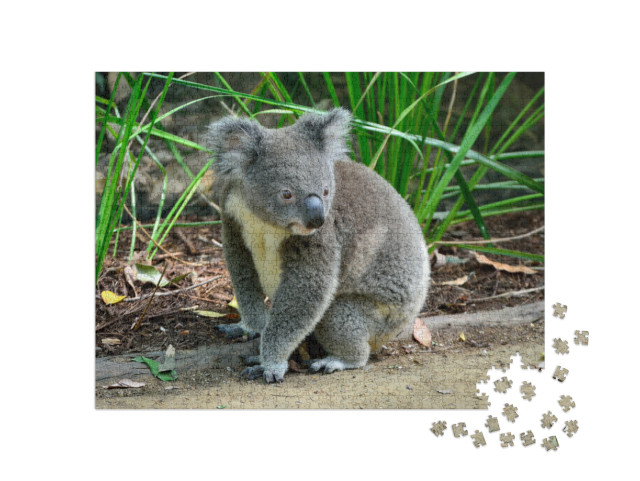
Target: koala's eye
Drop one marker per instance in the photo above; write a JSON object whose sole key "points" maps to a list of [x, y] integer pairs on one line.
{"points": [[325, 192], [286, 194]]}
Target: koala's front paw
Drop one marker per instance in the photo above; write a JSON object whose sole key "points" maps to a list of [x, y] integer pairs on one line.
{"points": [[234, 331], [274, 373]]}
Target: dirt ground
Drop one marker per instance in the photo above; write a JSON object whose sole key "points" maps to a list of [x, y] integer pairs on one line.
{"points": [[404, 375]]}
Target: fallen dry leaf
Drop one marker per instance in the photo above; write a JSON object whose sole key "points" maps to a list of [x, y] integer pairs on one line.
{"points": [[456, 282], [421, 333], [233, 303], [111, 341], [295, 367], [503, 267], [462, 337], [131, 276], [169, 363], [111, 297], [124, 383]]}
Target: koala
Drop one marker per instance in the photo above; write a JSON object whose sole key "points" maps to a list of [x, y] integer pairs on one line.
{"points": [[334, 247]]}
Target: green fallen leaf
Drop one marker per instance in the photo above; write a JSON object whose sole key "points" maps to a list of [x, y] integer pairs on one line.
{"points": [[154, 367], [177, 279], [150, 274]]}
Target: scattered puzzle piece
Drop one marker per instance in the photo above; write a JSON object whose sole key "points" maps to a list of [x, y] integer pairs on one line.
{"points": [[528, 390], [510, 412], [567, 403], [502, 385], [582, 337], [561, 347], [570, 427], [439, 428], [527, 438], [492, 424], [548, 420], [459, 430], [550, 443], [478, 439], [560, 374], [559, 310], [507, 439]]}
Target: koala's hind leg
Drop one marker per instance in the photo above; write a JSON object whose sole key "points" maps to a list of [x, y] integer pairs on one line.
{"points": [[344, 334]]}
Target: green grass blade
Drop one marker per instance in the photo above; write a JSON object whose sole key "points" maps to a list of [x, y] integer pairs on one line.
{"points": [[502, 252], [306, 89], [179, 206], [331, 89], [467, 142], [224, 82], [498, 211], [406, 112], [106, 211], [355, 97], [524, 110], [471, 203], [103, 127]]}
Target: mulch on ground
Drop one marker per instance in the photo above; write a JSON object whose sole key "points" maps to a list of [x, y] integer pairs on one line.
{"points": [[170, 318]]}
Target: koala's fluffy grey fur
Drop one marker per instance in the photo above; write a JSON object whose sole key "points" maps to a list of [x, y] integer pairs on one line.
{"points": [[332, 244]]}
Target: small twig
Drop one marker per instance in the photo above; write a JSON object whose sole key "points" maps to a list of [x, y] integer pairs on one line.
{"points": [[101, 326], [495, 288], [170, 293], [212, 240], [190, 247], [488, 241], [509, 294], [211, 204], [167, 253], [226, 107], [170, 254], [196, 298], [137, 324]]}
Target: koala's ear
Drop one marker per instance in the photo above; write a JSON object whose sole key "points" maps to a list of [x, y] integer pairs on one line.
{"points": [[328, 131], [235, 142]]}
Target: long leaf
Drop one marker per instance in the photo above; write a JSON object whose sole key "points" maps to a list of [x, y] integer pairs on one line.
{"points": [[467, 142]]}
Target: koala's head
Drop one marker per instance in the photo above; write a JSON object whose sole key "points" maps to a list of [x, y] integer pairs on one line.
{"points": [[285, 176]]}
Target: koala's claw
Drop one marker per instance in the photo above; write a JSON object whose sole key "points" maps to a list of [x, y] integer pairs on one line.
{"points": [[253, 372], [234, 331], [270, 375]]}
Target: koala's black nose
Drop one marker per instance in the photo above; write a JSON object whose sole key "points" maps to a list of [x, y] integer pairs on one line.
{"points": [[313, 212]]}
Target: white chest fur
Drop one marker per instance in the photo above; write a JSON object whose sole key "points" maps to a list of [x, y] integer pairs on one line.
{"points": [[263, 241]]}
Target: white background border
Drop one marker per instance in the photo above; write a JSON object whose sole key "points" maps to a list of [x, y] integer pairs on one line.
{"points": [[50, 53]]}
